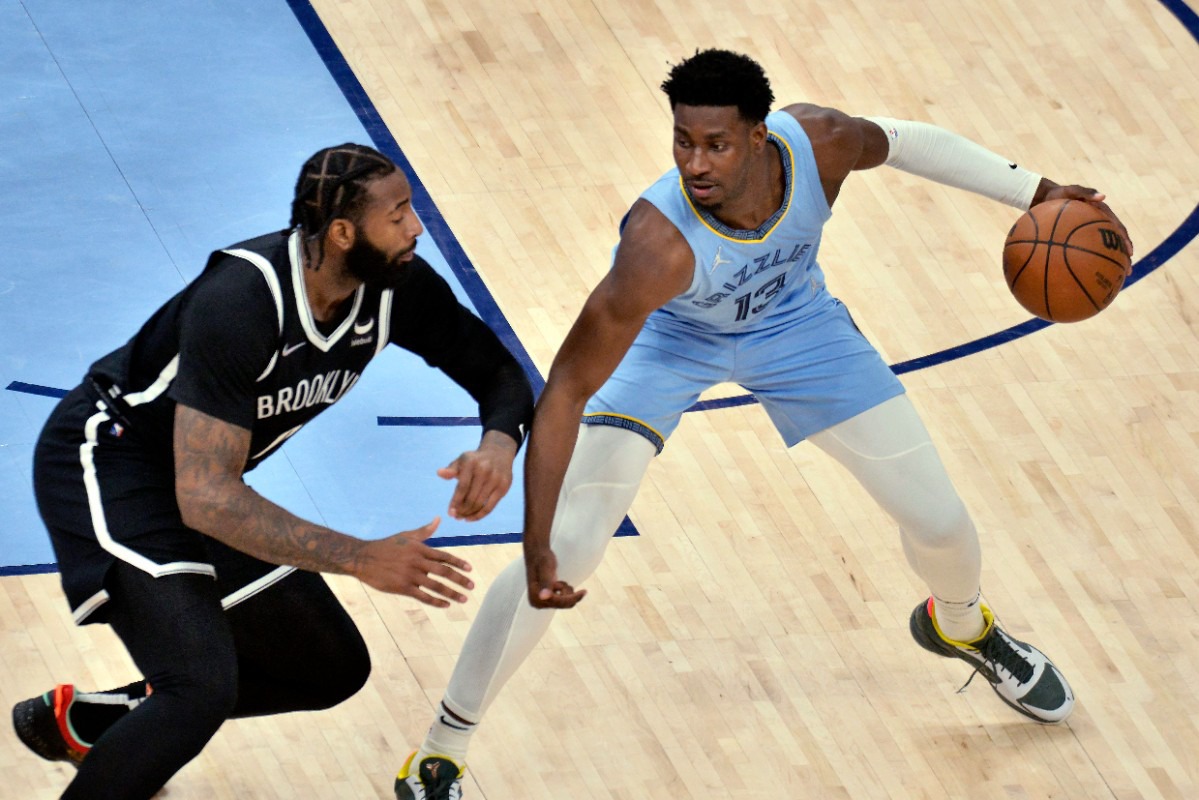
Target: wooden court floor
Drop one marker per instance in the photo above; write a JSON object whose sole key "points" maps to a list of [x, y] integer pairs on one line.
{"points": [[752, 642]]}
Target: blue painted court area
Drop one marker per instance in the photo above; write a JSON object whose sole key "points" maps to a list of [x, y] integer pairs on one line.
{"points": [[137, 141]]}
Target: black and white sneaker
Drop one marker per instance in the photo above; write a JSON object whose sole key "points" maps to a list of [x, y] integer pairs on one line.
{"points": [[1020, 674], [434, 778]]}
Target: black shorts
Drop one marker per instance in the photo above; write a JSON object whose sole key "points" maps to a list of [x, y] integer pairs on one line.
{"points": [[105, 495]]}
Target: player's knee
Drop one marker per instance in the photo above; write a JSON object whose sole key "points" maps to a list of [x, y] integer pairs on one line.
{"points": [[344, 676], [598, 489], [351, 677], [217, 702], [582, 534], [579, 554], [944, 527], [205, 693]]}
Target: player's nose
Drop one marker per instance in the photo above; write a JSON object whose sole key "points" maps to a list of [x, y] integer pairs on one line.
{"points": [[697, 164], [415, 228]]}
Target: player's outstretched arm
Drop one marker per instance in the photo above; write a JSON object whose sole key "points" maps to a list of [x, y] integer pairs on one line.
{"points": [[653, 264], [843, 144], [213, 499]]}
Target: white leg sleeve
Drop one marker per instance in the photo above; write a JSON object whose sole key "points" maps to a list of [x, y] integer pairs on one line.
{"points": [[600, 484], [889, 451]]}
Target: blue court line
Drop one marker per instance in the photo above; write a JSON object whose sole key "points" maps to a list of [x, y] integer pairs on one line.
{"points": [[33, 388], [427, 422], [29, 569], [434, 223], [626, 529]]}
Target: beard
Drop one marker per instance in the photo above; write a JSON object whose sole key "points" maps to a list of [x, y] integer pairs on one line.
{"points": [[375, 268]]}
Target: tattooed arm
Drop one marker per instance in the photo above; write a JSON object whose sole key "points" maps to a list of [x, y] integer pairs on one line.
{"points": [[209, 457]]}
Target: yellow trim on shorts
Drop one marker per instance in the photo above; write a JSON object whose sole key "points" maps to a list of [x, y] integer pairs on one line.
{"points": [[659, 443]]}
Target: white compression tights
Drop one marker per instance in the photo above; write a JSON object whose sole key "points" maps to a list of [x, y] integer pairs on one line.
{"points": [[598, 488], [886, 448]]}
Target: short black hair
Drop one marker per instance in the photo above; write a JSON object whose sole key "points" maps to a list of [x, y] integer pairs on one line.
{"points": [[332, 184], [720, 78]]}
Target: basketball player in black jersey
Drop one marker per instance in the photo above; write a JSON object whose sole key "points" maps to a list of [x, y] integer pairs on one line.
{"points": [[214, 590]]}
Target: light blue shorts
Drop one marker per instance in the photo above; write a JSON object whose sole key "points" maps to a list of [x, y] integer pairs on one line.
{"points": [[809, 374]]}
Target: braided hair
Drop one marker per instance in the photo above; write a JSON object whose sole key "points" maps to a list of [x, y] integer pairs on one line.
{"points": [[332, 185], [721, 78]]}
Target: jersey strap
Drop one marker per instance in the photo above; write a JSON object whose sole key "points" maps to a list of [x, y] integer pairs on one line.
{"points": [[272, 282]]}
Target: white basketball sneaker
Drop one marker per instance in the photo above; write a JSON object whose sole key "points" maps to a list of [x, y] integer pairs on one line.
{"points": [[1020, 674]]}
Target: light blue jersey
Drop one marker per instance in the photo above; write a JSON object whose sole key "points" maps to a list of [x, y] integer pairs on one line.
{"points": [[750, 280], [756, 314]]}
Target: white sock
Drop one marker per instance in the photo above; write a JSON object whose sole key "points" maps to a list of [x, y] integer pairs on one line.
{"points": [[448, 736], [960, 621]]}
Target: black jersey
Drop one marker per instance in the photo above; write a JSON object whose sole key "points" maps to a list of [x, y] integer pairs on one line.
{"points": [[240, 344]]}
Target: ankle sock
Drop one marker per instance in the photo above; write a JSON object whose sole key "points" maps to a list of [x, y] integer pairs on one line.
{"points": [[449, 735], [959, 621]]}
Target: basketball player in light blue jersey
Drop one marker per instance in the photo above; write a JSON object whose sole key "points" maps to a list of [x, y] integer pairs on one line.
{"points": [[715, 279]]}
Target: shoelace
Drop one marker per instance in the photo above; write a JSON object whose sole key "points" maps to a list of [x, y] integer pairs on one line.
{"points": [[996, 649]]}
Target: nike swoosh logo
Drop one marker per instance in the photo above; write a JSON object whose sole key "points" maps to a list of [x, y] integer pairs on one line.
{"points": [[365, 327], [287, 351]]}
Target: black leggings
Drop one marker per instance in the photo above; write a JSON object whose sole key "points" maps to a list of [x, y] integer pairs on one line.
{"points": [[291, 647]]}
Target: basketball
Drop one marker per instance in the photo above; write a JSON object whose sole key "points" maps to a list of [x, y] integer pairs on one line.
{"points": [[1065, 260]]}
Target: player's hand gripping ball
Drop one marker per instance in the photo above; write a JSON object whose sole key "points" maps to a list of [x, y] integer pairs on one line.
{"points": [[1065, 260]]}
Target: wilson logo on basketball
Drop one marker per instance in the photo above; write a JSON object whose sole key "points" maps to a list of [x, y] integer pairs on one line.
{"points": [[1113, 240]]}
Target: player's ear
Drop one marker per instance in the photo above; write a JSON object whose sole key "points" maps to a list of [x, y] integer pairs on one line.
{"points": [[341, 234], [758, 135]]}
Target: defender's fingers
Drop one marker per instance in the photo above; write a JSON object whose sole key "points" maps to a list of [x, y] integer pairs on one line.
{"points": [[417, 594], [442, 557], [448, 573], [443, 590]]}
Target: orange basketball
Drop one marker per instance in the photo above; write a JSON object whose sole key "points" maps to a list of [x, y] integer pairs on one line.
{"points": [[1064, 260]]}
